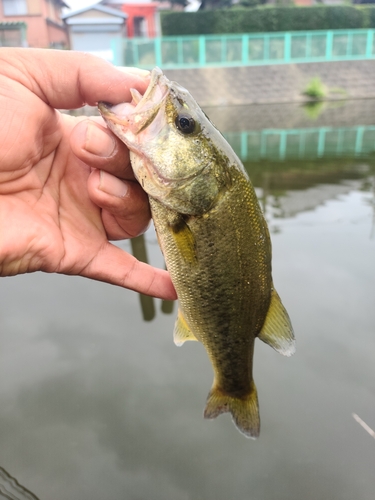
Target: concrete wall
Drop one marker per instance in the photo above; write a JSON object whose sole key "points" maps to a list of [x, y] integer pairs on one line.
{"points": [[277, 83]]}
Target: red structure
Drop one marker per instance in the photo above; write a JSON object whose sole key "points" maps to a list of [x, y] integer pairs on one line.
{"points": [[141, 20]]}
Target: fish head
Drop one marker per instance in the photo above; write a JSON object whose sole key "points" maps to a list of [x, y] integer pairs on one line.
{"points": [[177, 155]]}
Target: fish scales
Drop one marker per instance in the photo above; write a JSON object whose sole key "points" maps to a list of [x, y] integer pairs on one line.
{"points": [[214, 238], [229, 285]]}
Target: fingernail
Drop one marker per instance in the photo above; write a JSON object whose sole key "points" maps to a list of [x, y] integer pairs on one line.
{"points": [[143, 73], [112, 185], [99, 142]]}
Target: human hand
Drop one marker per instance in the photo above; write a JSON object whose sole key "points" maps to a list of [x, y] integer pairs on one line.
{"points": [[66, 185]]}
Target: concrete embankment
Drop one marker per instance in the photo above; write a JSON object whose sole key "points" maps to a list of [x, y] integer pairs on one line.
{"points": [[280, 83], [336, 114]]}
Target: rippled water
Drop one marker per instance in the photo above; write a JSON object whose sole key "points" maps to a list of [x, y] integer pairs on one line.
{"points": [[97, 403]]}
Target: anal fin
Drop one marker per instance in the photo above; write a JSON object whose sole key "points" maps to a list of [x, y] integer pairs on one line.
{"points": [[182, 332], [277, 330]]}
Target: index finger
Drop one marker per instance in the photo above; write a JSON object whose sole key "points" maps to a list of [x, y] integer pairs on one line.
{"points": [[68, 79]]}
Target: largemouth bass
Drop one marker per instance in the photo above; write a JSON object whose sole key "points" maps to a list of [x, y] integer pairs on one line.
{"points": [[214, 238]]}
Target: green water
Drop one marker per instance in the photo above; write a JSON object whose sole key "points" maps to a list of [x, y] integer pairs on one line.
{"points": [[97, 403]]}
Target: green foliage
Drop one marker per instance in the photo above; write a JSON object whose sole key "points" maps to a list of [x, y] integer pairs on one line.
{"points": [[314, 109], [253, 3], [214, 4], [316, 89], [284, 3], [267, 19], [176, 3], [369, 14]]}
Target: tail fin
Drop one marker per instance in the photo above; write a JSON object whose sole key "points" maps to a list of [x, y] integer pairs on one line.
{"points": [[245, 411]]}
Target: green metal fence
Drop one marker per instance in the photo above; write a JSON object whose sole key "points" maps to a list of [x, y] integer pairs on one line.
{"points": [[245, 49], [276, 144]]}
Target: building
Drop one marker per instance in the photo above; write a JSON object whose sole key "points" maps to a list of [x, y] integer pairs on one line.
{"points": [[44, 27], [142, 20], [143, 16], [95, 29]]}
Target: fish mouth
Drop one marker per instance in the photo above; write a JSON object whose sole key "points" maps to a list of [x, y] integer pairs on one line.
{"points": [[141, 111], [128, 120]]}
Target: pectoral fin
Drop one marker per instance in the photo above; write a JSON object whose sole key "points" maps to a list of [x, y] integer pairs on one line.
{"points": [[184, 239], [182, 332], [277, 330]]}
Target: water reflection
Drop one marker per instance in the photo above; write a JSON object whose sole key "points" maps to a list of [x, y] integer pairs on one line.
{"points": [[139, 250], [307, 143], [97, 403], [314, 109], [286, 189]]}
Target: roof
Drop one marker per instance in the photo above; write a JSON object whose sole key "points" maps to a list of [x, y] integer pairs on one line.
{"points": [[100, 8]]}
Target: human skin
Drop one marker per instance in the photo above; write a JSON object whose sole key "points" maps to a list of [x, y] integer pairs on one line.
{"points": [[66, 185]]}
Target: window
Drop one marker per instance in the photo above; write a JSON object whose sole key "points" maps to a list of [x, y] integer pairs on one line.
{"points": [[15, 7], [10, 38]]}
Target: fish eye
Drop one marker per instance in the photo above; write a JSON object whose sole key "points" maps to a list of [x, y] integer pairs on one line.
{"points": [[185, 123]]}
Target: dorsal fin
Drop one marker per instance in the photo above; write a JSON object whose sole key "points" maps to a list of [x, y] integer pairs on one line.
{"points": [[182, 332], [277, 330]]}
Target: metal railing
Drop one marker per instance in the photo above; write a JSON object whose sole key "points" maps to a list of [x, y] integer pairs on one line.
{"points": [[322, 142], [245, 49]]}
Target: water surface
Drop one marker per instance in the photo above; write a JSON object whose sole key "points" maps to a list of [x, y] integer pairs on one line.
{"points": [[97, 403]]}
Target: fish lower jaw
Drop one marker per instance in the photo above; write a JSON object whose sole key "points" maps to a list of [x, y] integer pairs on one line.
{"points": [[143, 169], [148, 177]]}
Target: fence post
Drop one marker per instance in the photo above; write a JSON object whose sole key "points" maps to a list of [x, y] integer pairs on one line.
{"points": [[369, 42], [308, 46], [329, 43], [302, 144], [180, 56], [202, 51], [135, 53], [282, 144], [245, 45], [349, 44], [359, 140], [321, 141], [115, 42], [158, 55], [263, 143], [266, 47], [287, 46], [223, 47], [244, 145]]}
